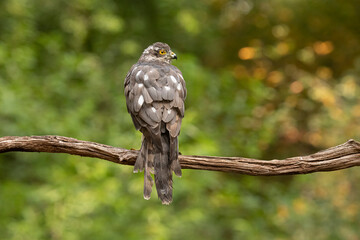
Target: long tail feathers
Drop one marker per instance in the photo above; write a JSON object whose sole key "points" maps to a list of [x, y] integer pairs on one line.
{"points": [[161, 164], [163, 173], [174, 156], [149, 168]]}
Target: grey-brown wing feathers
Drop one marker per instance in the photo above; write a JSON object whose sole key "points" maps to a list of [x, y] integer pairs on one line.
{"points": [[155, 99]]}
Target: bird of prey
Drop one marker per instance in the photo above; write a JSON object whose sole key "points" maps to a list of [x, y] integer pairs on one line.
{"points": [[155, 92]]}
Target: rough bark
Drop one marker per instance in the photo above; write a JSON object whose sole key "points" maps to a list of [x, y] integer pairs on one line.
{"points": [[339, 157]]}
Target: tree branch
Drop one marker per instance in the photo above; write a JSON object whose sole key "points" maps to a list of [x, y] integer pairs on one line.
{"points": [[339, 157]]}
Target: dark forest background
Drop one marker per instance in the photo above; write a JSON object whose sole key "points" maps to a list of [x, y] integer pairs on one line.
{"points": [[265, 79]]}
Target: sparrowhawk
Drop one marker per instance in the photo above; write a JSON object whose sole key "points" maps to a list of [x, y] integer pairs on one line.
{"points": [[155, 92]]}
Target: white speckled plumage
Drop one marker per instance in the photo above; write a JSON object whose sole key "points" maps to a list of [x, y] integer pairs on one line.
{"points": [[155, 92]]}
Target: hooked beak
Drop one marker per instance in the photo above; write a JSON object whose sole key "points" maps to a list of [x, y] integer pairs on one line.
{"points": [[173, 55]]}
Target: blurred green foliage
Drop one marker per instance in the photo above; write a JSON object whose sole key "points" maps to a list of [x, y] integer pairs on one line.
{"points": [[265, 79]]}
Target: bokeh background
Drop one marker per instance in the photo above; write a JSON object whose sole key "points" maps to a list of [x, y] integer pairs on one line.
{"points": [[266, 79]]}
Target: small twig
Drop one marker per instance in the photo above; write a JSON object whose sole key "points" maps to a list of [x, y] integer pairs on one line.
{"points": [[339, 157]]}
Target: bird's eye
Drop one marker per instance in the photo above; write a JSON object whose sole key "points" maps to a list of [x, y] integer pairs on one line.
{"points": [[162, 52]]}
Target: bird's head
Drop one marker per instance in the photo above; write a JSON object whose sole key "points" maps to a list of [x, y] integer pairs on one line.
{"points": [[159, 52]]}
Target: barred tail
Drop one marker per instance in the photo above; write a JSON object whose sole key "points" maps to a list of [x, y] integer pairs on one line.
{"points": [[163, 173], [145, 161], [161, 163]]}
